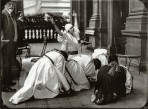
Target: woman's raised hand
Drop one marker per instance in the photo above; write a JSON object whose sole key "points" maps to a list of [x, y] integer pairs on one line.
{"points": [[74, 13], [47, 17]]}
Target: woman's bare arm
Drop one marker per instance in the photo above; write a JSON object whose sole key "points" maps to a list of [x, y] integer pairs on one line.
{"points": [[75, 19], [56, 28], [52, 21]]}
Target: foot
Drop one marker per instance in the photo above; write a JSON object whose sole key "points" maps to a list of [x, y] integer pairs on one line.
{"points": [[99, 101], [66, 93], [12, 83], [8, 89]]}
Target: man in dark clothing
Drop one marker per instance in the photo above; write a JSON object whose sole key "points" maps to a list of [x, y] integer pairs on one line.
{"points": [[21, 29], [9, 38]]}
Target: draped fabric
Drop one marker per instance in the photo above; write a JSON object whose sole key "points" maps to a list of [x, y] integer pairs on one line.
{"points": [[69, 41], [129, 80], [45, 79], [111, 83], [76, 76], [80, 68]]}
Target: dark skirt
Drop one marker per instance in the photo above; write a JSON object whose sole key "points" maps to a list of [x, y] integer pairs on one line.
{"points": [[109, 87]]}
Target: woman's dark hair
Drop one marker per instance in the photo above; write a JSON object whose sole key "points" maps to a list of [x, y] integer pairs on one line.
{"points": [[97, 63], [64, 54], [112, 57], [61, 52]]}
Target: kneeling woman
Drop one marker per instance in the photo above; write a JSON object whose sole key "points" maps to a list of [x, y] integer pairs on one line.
{"points": [[45, 79], [113, 82], [80, 70]]}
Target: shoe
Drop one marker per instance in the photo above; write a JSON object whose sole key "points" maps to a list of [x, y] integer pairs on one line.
{"points": [[99, 101], [12, 83], [66, 93], [8, 89]]}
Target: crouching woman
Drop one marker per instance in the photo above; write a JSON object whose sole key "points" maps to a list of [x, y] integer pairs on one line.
{"points": [[45, 79], [113, 82], [81, 70]]}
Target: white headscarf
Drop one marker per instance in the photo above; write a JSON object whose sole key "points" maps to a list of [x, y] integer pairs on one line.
{"points": [[67, 27], [101, 55]]}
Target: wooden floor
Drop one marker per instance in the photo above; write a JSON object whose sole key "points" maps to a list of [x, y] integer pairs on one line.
{"points": [[81, 99]]}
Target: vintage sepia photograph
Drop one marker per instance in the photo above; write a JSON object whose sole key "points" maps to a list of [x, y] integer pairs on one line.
{"points": [[74, 54]]}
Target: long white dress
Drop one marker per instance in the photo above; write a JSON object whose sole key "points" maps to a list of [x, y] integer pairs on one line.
{"points": [[79, 68], [70, 42], [44, 80]]}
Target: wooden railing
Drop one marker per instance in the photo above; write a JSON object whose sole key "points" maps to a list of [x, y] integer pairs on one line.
{"points": [[36, 28], [37, 34]]}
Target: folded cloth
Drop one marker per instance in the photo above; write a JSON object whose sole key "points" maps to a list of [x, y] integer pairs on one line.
{"points": [[100, 51], [27, 63], [101, 54]]}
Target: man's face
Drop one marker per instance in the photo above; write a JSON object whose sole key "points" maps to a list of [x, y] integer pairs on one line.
{"points": [[10, 6]]}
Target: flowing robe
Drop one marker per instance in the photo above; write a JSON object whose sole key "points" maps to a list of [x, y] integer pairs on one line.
{"points": [[113, 82], [45, 79], [79, 69], [70, 41]]}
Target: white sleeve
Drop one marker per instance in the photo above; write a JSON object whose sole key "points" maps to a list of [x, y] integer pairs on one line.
{"points": [[77, 32], [72, 41], [63, 38], [60, 38]]}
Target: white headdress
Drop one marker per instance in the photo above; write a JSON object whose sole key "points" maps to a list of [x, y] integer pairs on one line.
{"points": [[67, 27], [101, 55]]}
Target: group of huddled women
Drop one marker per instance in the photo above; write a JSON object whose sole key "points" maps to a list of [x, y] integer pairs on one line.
{"points": [[53, 74], [64, 71]]}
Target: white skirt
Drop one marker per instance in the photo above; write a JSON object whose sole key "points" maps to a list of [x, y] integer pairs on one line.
{"points": [[43, 81], [78, 75]]}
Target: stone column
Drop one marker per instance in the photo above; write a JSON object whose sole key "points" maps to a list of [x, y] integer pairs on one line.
{"points": [[98, 24], [101, 38], [92, 31], [114, 26], [145, 2], [94, 21], [136, 30]]}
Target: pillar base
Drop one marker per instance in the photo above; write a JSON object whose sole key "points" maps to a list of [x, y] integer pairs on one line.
{"points": [[142, 66], [94, 23]]}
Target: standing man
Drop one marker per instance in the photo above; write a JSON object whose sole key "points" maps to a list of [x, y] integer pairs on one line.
{"points": [[9, 38]]}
